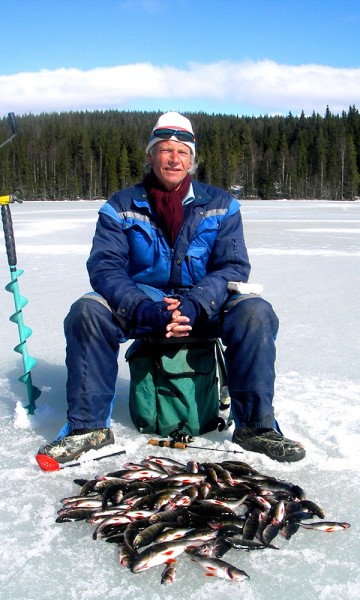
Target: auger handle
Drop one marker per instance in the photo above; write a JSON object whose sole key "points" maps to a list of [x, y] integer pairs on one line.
{"points": [[9, 235], [12, 123], [168, 444]]}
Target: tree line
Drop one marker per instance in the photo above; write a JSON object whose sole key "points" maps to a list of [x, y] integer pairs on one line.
{"points": [[90, 155]]}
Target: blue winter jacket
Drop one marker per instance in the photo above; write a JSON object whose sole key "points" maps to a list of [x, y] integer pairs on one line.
{"points": [[129, 247]]}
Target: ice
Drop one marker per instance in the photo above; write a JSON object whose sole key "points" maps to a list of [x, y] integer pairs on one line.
{"points": [[306, 256]]}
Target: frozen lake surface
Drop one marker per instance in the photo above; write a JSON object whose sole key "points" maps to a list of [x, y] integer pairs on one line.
{"points": [[306, 255]]}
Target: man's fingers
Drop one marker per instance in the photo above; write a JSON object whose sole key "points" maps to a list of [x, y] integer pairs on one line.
{"points": [[176, 334], [172, 303]]}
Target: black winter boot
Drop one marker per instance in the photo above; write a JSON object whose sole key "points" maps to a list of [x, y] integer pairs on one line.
{"points": [[78, 441], [269, 442]]}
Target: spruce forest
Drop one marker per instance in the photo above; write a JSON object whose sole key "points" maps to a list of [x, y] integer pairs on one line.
{"points": [[89, 155]]}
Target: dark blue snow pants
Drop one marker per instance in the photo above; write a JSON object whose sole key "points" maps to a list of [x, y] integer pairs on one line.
{"points": [[247, 327]]}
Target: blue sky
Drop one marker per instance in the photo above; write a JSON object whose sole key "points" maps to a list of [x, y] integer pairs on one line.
{"points": [[225, 56]]}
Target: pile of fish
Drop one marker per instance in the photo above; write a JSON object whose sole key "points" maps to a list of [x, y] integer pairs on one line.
{"points": [[160, 508]]}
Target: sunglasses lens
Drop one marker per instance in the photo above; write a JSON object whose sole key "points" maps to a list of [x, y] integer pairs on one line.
{"points": [[166, 134]]}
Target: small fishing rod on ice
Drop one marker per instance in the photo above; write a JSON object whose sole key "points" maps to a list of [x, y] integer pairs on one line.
{"points": [[48, 463], [181, 440], [184, 445]]}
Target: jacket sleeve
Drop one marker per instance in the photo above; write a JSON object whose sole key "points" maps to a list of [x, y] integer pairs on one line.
{"points": [[107, 266], [229, 261]]}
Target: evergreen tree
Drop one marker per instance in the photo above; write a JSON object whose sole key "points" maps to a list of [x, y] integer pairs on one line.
{"points": [[351, 174], [124, 168]]}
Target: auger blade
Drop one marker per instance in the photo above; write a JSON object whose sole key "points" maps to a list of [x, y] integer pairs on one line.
{"points": [[25, 333]]}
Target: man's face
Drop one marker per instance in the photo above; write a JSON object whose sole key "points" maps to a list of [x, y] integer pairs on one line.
{"points": [[170, 161]]}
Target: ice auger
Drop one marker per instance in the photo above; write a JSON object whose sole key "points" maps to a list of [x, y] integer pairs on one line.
{"points": [[13, 287]]}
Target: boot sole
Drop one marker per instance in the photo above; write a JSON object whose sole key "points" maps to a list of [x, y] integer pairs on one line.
{"points": [[86, 449], [77, 454]]}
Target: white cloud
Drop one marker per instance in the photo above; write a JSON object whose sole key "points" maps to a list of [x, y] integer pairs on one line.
{"points": [[265, 86]]}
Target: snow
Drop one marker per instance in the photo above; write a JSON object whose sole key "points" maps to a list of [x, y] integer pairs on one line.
{"points": [[306, 256]]}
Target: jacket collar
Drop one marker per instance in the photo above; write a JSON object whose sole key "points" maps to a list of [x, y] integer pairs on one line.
{"points": [[200, 193], [140, 196]]}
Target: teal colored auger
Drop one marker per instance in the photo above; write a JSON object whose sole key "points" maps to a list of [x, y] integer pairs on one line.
{"points": [[20, 301], [13, 287]]}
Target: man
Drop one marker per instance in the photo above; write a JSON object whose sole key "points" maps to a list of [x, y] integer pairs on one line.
{"points": [[162, 256]]}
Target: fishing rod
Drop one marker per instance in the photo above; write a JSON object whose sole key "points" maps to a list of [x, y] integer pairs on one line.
{"points": [[184, 445], [47, 463], [13, 287]]}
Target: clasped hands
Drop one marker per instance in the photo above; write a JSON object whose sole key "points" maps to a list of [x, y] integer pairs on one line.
{"points": [[173, 315], [180, 325]]}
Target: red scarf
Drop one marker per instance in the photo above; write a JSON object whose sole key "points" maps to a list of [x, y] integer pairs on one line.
{"points": [[167, 205]]}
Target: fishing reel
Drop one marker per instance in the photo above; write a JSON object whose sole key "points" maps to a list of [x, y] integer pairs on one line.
{"points": [[181, 436]]}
